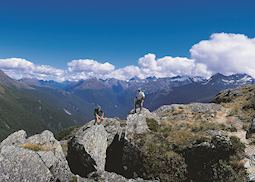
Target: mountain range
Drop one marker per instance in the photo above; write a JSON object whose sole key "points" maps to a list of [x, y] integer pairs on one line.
{"points": [[36, 105], [116, 96]]}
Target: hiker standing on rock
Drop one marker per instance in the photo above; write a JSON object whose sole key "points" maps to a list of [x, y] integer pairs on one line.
{"points": [[99, 115], [139, 100]]}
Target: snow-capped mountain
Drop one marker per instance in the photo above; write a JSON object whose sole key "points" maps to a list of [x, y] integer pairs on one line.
{"points": [[232, 80], [116, 96]]}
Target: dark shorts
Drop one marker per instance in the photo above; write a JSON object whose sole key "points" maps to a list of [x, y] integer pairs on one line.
{"points": [[138, 103]]}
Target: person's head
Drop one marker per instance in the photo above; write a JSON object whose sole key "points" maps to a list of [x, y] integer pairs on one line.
{"points": [[98, 107]]}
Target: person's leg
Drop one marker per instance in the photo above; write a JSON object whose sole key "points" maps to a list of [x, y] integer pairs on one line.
{"points": [[135, 106], [102, 119], [98, 120], [141, 105]]}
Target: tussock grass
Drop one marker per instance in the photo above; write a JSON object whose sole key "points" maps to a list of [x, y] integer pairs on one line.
{"points": [[35, 147]]}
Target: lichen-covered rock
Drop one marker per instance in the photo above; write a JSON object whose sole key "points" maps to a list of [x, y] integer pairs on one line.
{"points": [[94, 141], [87, 149], [35, 155], [15, 138], [183, 110], [136, 123], [18, 164], [113, 127]]}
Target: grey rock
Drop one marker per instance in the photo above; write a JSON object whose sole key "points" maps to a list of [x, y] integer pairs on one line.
{"points": [[15, 138], [253, 125], [136, 123], [18, 164], [37, 158], [87, 149], [112, 127], [94, 141], [251, 177], [208, 108]]}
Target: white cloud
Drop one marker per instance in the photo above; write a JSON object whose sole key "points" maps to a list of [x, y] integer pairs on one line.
{"points": [[90, 66], [86, 68], [125, 73], [167, 66], [20, 68], [226, 53], [170, 66]]}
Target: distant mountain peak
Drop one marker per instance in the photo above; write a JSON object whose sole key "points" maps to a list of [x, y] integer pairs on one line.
{"points": [[7, 81]]}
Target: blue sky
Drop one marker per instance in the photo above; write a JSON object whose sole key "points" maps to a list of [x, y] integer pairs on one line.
{"points": [[78, 39], [55, 32]]}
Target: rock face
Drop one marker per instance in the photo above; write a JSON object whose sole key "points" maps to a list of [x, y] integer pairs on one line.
{"points": [[102, 148], [19, 164], [90, 143], [37, 158], [136, 123], [94, 142]]}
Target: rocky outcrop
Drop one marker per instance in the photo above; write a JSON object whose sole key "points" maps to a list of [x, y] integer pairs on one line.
{"points": [[174, 143], [37, 158], [136, 123], [101, 148], [16, 138], [90, 144]]}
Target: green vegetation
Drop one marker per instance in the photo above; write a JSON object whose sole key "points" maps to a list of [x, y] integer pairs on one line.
{"points": [[172, 151], [152, 124], [33, 110], [74, 179], [241, 103], [66, 133], [160, 160]]}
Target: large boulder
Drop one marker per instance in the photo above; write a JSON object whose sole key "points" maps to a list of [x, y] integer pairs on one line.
{"points": [[16, 138], [137, 123], [100, 148], [87, 149], [18, 164], [37, 158]]}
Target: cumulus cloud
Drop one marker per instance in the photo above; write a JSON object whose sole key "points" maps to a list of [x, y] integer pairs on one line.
{"points": [[148, 65], [226, 53], [86, 68], [20, 68], [126, 73], [170, 66], [90, 66]]}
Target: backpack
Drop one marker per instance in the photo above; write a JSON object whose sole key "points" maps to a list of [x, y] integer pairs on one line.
{"points": [[140, 95]]}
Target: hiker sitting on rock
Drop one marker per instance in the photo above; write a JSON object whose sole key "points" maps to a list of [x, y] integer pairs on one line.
{"points": [[99, 115], [139, 100]]}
